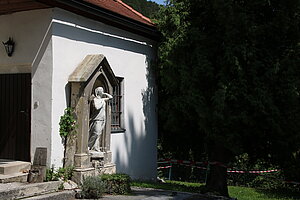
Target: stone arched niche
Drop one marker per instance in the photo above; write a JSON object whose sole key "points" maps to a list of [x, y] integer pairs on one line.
{"points": [[93, 71], [101, 81]]}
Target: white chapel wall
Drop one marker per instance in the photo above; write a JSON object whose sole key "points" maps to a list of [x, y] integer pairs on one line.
{"points": [[128, 54], [31, 31], [27, 30], [41, 129]]}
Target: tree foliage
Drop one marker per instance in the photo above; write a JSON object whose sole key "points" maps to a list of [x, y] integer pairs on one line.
{"points": [[147, 8], [230, 75]]}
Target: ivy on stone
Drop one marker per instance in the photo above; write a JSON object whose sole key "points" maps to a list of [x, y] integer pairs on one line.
{"points": [[67, 123]]}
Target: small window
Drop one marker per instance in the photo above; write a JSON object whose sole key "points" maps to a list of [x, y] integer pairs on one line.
{"points": [[117, 106]]}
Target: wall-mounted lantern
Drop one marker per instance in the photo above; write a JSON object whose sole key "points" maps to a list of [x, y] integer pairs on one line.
{"points": [[9, 46]]}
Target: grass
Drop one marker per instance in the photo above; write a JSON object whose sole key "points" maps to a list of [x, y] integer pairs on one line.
{"points": [[245, 193], [241, 193], [171, 185]]}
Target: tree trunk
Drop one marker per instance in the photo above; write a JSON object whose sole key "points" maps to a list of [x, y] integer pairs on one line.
{"points": [[216, 180]]}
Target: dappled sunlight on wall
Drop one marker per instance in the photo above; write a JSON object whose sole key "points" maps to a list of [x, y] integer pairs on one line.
{"points": [[141, 135], [139, 162]]}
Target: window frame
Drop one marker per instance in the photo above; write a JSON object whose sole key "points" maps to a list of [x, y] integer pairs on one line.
{"points": [[119, 93]]}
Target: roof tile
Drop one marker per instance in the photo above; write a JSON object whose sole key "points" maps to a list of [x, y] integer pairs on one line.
{"points": [[119, 7]]}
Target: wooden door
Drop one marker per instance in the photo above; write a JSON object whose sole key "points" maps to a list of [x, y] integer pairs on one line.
{"points": [[15, 116]]}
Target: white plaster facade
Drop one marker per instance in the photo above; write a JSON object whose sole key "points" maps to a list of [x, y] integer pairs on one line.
{"points": [[50, 43]]}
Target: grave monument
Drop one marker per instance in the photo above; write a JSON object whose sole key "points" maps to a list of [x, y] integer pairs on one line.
{"points": [[88, 150]]}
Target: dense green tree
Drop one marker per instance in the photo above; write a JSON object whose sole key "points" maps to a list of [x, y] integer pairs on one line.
{"points": [[230, 76], [147, 8]]}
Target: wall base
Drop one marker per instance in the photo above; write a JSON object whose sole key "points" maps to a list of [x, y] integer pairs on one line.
{"points": [[80, 174], [106, 169]]}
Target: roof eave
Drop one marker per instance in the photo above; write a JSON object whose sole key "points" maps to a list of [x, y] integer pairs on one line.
{"points": [[94, 12]]}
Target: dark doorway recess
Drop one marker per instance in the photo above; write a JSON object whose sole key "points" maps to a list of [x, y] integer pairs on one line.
{"points": [[15, 116]]}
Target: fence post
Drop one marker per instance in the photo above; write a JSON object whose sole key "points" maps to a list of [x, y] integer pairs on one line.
{"points": [[207, 171], [170, 171]]}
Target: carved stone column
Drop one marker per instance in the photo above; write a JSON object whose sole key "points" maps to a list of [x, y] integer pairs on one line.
{"points": [[79, 101]]}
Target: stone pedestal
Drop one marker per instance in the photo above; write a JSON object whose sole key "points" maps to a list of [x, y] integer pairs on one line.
{"points": [[107, 169], [107, 157], [96, 155], [83, 167], [80, 174], [101, 161], [82, 160]]}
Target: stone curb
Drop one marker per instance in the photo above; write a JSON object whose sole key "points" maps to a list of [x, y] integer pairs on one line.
{"points": [[29, 190], [63, 195]]}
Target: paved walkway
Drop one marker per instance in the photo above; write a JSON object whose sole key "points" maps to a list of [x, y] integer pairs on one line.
{"points": [[157, 194], [149, 194], [14, 189]]}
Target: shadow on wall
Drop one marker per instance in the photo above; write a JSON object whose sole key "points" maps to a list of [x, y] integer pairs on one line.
{"points": [[68, 94], [42, 49], [91, 36], [142, 147]]}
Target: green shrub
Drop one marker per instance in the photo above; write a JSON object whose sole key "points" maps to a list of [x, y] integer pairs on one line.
{"points": [[116, 183], [269, 181], [63, 173], [50, 175], [92, 187], [272, 180]]}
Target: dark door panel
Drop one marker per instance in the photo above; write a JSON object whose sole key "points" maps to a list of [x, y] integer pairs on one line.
{"points": [[15, 107]]}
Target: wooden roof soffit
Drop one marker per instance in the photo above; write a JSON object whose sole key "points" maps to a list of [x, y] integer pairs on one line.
{"points": [[11, 6]]}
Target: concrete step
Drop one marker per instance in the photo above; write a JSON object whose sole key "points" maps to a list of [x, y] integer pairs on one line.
{"points": [[63, 195], [17, 177], [13, 167], [12, 191]]}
